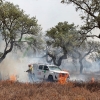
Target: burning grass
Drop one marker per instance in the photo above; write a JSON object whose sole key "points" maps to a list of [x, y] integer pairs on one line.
{"points": [[49, 91]]}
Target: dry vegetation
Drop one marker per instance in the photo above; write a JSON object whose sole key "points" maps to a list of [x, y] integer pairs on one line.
{"points": [[49, 91]]}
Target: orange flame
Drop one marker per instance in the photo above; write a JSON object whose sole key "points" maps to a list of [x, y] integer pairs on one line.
{"points": [[62, 78], [13, 78], [92, 80]]}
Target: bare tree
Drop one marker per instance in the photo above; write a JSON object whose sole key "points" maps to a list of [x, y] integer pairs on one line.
{"points": [[83, 51], [90, 14]]}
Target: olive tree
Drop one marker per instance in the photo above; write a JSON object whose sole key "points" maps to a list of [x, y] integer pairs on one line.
{"points": [[60, 41], [14, 25]]}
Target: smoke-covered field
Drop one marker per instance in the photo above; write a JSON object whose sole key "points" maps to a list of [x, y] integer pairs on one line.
{"points": [[79, 86], [49, 91], [16, 64]]}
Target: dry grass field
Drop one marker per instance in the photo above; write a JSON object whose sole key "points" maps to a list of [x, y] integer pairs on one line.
{"points": [[49, 91]]}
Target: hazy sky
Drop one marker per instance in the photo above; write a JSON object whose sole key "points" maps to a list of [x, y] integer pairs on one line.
{"points": [[49, 12]]}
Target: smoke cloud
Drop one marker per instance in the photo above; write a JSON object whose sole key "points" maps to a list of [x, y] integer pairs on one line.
{"points": [[16, 64]]}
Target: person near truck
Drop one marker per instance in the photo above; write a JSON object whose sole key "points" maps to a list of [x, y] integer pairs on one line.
{"points": [[30, 73]]}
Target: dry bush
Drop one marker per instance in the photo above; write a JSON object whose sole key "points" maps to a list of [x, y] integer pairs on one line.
{"points": [[49, 91]]}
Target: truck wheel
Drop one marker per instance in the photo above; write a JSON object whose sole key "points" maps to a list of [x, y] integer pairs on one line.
{"points": [[50, 78]]}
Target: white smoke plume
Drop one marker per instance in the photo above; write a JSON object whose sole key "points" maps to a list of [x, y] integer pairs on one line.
{"points": [[16, 64], [13, 65]]}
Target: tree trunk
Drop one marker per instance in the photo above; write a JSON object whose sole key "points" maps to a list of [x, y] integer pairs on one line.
{"points": [[6, 52], [58, 63], [81, 66], [53, 58], [1, 59]]}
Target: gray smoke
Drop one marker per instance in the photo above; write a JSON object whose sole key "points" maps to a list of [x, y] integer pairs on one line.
{"points": [[91, 69], [16, 65]]}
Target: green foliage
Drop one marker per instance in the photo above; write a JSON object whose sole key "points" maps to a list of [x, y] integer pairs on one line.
{"points": [[35, 42], [63, 35], [14, 25]]}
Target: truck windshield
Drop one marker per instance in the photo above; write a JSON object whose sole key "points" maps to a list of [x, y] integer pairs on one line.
{"points": [[54, 68]]}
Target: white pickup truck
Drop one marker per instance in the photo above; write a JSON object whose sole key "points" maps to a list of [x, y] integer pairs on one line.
{"points": [[48, 72]]}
